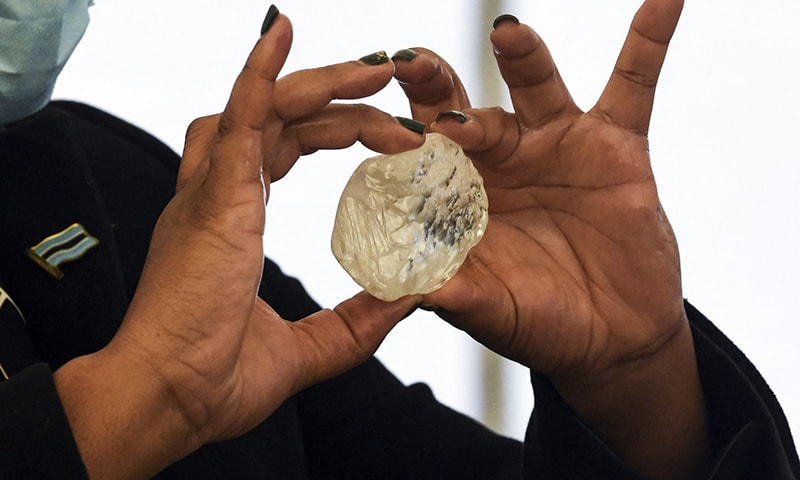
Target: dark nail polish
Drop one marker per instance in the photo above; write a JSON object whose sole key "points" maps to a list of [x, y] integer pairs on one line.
{"points": [[405, 54], [505, 18], [272, 14], [376, 58], [411, 124], [459, 116]]}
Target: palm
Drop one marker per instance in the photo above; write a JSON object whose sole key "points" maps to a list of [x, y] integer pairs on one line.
{"points": [[578, 269], [229, 359], [568, 245]]}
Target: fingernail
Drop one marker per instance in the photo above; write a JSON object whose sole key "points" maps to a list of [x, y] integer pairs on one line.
{"points": [[429, 307], [376, 58], [272, 14], [505, 18], [411, 124], [459, 116], [405, 54]]}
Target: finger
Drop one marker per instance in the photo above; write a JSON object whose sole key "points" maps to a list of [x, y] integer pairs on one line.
{"points": [[429, 82], [241, 127], [199, 137], [628, 97], [339, 126], [489, 136], [462, 296], [334, 341], [536, 88], [476, 130], [306, 91]]}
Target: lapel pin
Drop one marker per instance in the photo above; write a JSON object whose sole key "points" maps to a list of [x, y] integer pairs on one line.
{"points": [[65, 246]]}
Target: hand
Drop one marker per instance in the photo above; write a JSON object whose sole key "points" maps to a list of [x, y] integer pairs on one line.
{"points": [[199, 357], [578, 273]]}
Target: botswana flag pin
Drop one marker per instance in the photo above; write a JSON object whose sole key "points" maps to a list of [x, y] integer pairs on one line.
{"points": [[65, 246]]}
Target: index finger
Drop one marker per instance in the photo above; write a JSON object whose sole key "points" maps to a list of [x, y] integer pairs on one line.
{"points": [[429, 82], [628, 97], [247, 115], [251, 98]]}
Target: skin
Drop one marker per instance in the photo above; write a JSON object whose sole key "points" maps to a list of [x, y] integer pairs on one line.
{"points": [[199, 357], [578, 274]]}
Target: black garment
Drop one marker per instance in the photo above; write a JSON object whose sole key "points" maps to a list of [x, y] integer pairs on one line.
{"points": [[71, 163]]}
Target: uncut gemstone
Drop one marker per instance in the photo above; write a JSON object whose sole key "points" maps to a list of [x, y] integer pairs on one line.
{"points": [[406, 221]]}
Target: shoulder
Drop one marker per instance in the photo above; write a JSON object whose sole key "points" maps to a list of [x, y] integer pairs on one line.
{"points": [[104, 127]]}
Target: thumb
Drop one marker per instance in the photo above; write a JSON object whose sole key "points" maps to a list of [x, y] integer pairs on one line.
{"points": [[334, 341]]}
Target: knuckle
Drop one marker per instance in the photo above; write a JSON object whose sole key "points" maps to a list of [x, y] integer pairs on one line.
{"points": [[200, 125]]}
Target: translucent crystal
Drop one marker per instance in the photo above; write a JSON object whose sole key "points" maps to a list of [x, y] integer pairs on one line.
{"points": [[405, 222]]}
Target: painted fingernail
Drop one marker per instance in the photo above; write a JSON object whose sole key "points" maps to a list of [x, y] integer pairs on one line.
{"points": [[376, 58], [459, 116], [272, 14], [411, 124], [404, 54], [505, 18]]}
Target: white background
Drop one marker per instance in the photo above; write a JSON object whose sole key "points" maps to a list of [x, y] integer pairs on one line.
{"points": [[723, 140]]}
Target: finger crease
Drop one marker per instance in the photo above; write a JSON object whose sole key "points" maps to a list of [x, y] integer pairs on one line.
{"points": [[636, 78], [654, 40], [532, 83]]}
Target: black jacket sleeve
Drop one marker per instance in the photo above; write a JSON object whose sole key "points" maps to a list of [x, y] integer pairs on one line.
{"points": [[752, 434], [35, 436], [752, 437]]}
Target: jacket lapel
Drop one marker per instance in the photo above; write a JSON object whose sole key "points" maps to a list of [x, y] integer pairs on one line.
{"points": [[46, 189]]}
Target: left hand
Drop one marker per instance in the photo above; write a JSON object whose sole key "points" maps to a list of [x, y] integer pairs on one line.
{"points": [[578, 273], [577, 249]]}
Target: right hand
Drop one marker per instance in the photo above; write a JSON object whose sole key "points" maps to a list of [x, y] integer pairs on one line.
{"points": [[199, 357]]}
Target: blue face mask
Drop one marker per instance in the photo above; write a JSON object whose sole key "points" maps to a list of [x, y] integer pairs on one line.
{"points": [[36, 39]]}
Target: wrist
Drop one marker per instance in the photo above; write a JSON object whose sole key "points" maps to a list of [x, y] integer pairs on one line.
{"points": [[649, 411], [121, 416]]}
